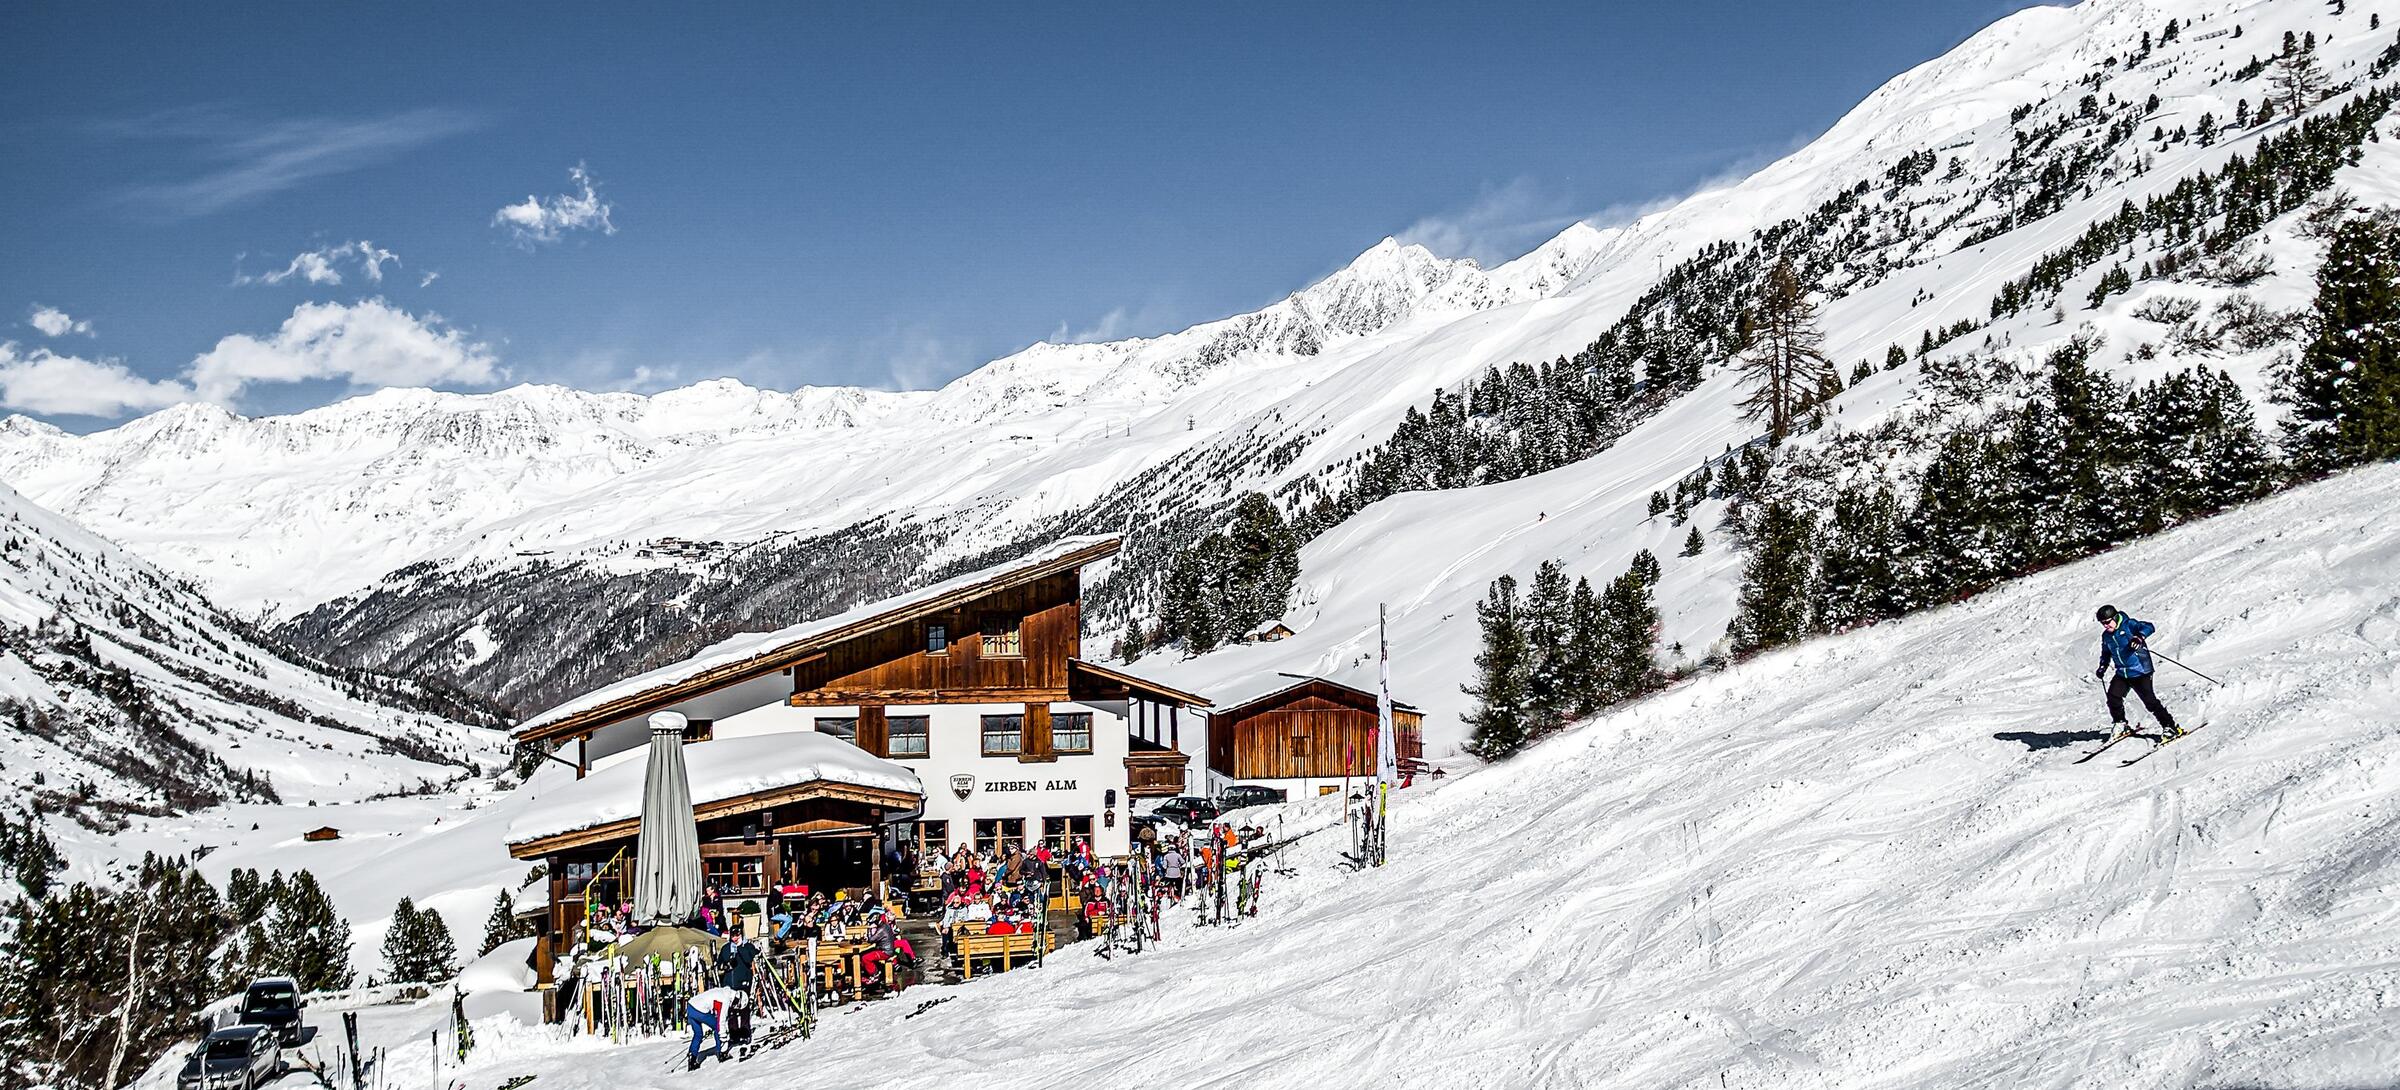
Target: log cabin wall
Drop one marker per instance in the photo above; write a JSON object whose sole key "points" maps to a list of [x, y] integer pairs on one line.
{"points": [[1312, 730], [896, 666]]}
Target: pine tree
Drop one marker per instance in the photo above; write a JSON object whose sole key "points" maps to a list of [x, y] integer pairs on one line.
{"points": [[1771, 609], [1859, 576], [1586, 655], [1549, 639], [1629, 649], [2344, 389], [1954, 540], [501, 925], [418, 949], [1894, 357], [1499, 691], [1692, 543], [2298, 78], [1263, 560], [1784, 364], [1132, 645], [1645, 564], [1658, 504], [2070, 482], [306, 938]]}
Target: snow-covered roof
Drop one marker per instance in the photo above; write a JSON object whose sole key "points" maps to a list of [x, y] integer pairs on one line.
{"points": [[721, 769], [741, 657]]}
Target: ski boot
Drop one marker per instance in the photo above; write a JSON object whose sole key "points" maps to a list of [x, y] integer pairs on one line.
{"points": [[2119, 734], [2169, 733]]}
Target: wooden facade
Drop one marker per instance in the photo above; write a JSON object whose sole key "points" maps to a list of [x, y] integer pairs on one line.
{"points": [[883, 658], [1312, 729]]}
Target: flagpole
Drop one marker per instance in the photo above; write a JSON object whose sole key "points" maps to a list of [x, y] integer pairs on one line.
{"points": [[1386, 757]]}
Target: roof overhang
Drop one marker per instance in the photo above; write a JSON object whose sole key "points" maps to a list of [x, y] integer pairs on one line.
{"points": [[1102, 675], [721, 808]]}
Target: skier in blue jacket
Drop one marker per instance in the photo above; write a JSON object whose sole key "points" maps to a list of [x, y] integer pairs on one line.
{"points": [[2122, 645]]}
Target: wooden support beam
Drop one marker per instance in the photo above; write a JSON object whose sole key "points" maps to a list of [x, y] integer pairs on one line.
{"points": [[831, 698]]}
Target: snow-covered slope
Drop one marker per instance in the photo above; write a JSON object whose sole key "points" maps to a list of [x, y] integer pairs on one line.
{"points": [[123, 690], [1866, 862]]}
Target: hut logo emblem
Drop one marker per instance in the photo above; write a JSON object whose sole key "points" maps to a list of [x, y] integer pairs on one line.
{"points": [[962, 785]]}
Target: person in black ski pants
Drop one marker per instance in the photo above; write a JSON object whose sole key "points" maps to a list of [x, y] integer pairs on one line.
{"points": [[2123, 645]]}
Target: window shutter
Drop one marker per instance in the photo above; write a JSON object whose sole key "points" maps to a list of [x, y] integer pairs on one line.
{"points": [[874, 731], [1037, 735]]}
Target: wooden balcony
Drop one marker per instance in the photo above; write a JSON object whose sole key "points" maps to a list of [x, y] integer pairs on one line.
{"points": [[1155, 773]]}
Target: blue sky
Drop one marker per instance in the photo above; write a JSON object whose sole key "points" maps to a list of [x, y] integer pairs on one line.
{"points": [[818, 194]]}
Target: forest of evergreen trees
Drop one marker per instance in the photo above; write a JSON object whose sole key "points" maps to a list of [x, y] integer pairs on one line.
{"points": [[105, 979], [1225, 585], [2085, 465], [1560, 653]]}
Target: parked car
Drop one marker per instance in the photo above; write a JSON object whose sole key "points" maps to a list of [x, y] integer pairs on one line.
{"points": [[274, 1002], [1249, 794], [233, 1058], [1189, 811]]}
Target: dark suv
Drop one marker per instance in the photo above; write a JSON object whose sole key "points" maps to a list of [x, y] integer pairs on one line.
{"points": [[1246, 794], [274, 1002], [233, 1058], [1189, 811]]}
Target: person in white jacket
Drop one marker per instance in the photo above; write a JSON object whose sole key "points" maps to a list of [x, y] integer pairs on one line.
{"points": [[706, 1012]]}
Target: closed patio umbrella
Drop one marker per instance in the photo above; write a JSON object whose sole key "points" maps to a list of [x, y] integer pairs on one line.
{"points": [[667, 879]]}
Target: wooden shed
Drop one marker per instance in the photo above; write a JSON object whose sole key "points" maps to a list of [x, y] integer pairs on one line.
{"points": [[1309, 731], [326, 832]]}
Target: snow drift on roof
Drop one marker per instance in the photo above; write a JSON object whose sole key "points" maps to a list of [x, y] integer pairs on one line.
{"points": [[720, 769], [742, 648]]}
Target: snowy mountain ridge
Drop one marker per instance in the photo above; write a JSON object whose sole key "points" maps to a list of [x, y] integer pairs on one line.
{"points": [[122, 690]]}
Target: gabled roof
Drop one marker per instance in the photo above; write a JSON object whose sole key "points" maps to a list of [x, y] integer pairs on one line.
{"points": [[1301, 682], [745, 657]]}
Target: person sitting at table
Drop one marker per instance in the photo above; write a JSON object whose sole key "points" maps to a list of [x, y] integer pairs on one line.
{"points": [[979, 910], [886, 945]]}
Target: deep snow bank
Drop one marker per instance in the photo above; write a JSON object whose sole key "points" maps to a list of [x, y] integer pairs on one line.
{"points": [[1865, 862]]}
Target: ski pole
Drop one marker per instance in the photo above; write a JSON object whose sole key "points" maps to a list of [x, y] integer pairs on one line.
{"points": [[2195, 673]]}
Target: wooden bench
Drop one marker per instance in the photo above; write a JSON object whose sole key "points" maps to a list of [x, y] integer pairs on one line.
{"points": [[1008, 948], [844, 959]]}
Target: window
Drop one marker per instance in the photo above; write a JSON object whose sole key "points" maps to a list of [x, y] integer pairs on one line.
{"points": [[1003, 735], [992, 835], [1071, 732], [1003, 636], [735, 872], [845, 729], [699, 730], [937, 639], [910, 735], [932, 843], [1061, 833]]}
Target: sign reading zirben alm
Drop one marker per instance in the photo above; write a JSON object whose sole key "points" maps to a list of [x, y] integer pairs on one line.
{"points": [[964, 785]]}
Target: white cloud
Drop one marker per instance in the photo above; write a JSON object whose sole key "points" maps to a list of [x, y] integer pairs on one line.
{"points": [[428, 279], [42, 381], [542, 219], [54, 322], [250, 158], [324, 264], [369, 343], [1501, 223]]}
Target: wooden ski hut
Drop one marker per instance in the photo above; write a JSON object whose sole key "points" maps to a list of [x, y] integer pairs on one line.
{"points": [[1306, 736]]}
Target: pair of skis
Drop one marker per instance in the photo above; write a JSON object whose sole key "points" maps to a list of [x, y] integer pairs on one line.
{"points": [[2158, 744]]}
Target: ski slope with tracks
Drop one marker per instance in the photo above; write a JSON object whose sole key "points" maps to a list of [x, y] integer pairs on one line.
{"points": [[1868, 861]]}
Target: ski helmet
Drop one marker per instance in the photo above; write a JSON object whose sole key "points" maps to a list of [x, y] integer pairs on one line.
{"points": [[2106, 614]]}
